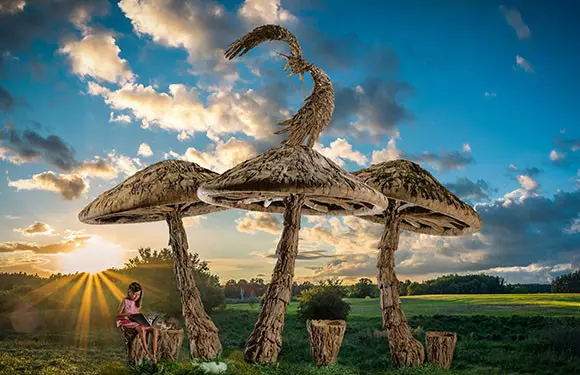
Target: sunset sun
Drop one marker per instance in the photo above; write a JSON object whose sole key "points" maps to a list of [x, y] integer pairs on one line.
{"points": [[96, 256]]}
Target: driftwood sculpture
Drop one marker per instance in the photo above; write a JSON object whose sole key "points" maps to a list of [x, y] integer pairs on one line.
{"points": [[418, 203], [166, 190], [291, 179]]}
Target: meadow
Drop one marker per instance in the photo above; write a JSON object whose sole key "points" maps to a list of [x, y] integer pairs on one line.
{"points": [[497, 334]]}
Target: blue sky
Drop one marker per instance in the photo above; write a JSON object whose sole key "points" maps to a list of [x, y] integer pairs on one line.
{"points": [[483, 94]]}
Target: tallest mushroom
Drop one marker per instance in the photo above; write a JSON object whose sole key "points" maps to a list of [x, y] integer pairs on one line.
{"points": [[292, 179]]}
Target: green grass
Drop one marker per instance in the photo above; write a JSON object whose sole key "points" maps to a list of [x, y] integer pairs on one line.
{"points": [[505, 334], [554, 305]]}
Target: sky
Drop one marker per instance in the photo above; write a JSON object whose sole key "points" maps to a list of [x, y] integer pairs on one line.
{"points": [[482, 94]]}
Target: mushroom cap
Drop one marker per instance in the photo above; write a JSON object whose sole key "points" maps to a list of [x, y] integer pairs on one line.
{"points": [[261, 184], [432, 208], [150, 194]]}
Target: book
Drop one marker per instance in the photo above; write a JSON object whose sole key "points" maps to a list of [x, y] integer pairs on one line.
{"points": [[144, 320]]}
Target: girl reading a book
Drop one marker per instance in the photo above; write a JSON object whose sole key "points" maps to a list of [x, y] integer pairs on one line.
{"points": [[131, 305]]}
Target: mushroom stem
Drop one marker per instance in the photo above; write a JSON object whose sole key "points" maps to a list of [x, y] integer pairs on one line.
{"points": [[265, 341], [204, 342], [405, 349]]}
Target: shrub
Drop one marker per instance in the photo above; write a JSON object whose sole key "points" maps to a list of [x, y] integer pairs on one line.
{"points": [[323, 302]]}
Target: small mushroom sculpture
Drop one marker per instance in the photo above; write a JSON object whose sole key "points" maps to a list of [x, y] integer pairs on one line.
{"points": [[292, 179], [417, 203], [166, 190]]}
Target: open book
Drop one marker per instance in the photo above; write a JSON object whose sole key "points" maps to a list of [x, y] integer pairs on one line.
{"points": [[143, 320]]}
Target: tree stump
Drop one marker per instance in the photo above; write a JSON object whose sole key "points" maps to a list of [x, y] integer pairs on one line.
{"points": [[169, 344], [325, 340], [440, 346], [134, 349]]}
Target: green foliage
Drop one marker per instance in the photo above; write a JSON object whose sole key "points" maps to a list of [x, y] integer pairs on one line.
{"points": [[324, 301], [455, 284], [569, 283], [363, 288]]}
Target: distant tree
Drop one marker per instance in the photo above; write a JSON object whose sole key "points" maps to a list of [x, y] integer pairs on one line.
{"points": [[363, 288], [569, 283], [403, 287]]}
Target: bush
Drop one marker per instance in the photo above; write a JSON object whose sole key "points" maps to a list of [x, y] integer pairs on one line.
{"points": [[323, 302]]}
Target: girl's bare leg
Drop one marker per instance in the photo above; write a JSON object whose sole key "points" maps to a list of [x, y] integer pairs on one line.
{"points": [[143, 339], [154, 344]]}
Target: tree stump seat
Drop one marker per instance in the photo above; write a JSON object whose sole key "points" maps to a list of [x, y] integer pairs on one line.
{"points": [[325, 340], [168, 345], [440, 347]]}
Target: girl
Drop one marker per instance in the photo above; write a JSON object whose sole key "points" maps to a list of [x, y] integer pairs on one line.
{"points": [[131, 305]]}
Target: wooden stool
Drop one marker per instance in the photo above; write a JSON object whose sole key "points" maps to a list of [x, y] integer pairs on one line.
{"points": [[440, 347]]}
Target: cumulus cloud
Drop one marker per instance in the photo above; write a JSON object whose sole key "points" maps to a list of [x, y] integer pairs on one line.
{"points": [[469, 190], [65, 246], [36, 229], [375, 104], [524, 64], [199, 27], [123, 119], [515, 20], [445, 161], [565, 151], [529, 187], [490, 94], [12, 6], [69, 186], [145, 150], [388, 153], [259, 221], [97, 55], [219, 157], [259, 12], [181, 110], [339, 151]]}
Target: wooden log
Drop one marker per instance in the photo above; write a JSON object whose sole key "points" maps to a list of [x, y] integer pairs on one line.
{"points": [[169, 344], [136, 354], [440, 347], [405, 349], [325, 340], [204, 342], [265, 341]]}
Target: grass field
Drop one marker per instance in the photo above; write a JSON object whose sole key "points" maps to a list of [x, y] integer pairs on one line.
{"points": [[498, 334]]}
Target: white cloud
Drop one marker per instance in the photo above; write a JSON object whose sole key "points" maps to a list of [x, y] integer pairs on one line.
{"points": [[556, 156], [36, 229], [515, 20], [513, 167], [221, 157], [258, 12], [145, 150], [12, 6], [529, 188], [490, 94], [524, 64], [341, 150], [69, 186], [124, 164], [97, 55], [388, 153], [119, 118], [466, 147], [181, 110]]}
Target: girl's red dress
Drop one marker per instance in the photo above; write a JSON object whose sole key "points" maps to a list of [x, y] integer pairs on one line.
{"points": [[129, 307]]}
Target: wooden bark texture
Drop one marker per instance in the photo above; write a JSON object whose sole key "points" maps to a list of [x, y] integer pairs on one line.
{"points": [[204, 342], [405, 349], [169, 345], [316, 113], [261, 183], [440, 347], [150, 194], [260, 35], [439, 211], [265, 341], [325, 340], [136, 354]]}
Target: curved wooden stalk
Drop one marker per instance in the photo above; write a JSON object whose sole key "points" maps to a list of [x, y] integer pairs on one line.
{"points": [[405, 349], [265, 340], [204, 342]]}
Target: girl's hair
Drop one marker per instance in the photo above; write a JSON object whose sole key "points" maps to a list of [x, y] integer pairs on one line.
{"points": [[136, 287]]}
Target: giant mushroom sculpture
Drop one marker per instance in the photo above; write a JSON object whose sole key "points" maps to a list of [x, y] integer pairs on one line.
{"points": [[166, 190], [291, 179], [417, 203]]}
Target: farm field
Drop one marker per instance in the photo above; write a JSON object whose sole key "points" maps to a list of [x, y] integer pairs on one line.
{"points": [[498, 334]]}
